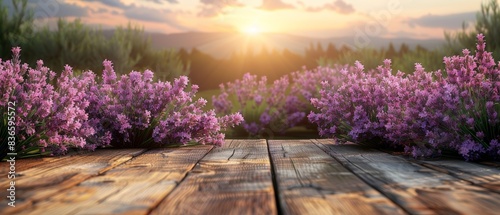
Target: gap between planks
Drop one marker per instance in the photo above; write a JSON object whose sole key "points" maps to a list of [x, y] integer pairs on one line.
{"points": [[309, 181], [233, 179], [416, 188]]}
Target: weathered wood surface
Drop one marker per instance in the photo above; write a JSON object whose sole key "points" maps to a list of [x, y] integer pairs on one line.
{"points": [[43, 181], [133, 187], [252, 177], [416, 188], [475, 173], [234, 179], [25, 164], [312, 182]]}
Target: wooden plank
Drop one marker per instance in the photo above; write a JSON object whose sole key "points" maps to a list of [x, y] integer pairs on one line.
{"points": [[43, 181], [132, 188], [416, 188], [233, 179], [26, 163], [477, 174], [312, 182], [490, 163]]}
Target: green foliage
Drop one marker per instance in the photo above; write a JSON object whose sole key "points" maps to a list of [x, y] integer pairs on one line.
{"points": [[430, 60], [371, 58], [15, 29], [83, 47], [487, 23], [166, 64]]}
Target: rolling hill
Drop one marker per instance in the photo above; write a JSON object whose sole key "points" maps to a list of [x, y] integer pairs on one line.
{"points": [[223, 44]]}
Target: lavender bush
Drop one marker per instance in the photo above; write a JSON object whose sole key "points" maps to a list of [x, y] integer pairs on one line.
{"points": [[424, 112], [49, 118], [456, 110], [134, 111], [267, 109], [53, 113], [306, 84], [349, 111], [468, 119]]}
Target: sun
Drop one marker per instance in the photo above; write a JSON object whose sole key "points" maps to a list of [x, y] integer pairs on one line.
{"points": [[252, 30]]}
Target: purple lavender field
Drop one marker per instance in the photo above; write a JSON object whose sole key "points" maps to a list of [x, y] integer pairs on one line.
{"points": [[67, 85]]}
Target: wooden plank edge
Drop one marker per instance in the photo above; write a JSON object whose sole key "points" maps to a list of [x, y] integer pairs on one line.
{"points": [[78, 179], [158, 203], [345, 164], [279, 197]]}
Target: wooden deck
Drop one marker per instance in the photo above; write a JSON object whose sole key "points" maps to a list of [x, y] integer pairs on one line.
{"points": [[251, 177]]}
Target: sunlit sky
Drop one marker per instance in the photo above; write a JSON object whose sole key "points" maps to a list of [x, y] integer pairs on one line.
{"points": [[312, 18]]}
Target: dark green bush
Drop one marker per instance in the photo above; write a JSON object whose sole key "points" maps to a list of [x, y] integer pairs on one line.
{"points": [[487, 23], [83, 47]]}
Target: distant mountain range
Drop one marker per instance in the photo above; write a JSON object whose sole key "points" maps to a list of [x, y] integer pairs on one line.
{"points": [[223, 45]]}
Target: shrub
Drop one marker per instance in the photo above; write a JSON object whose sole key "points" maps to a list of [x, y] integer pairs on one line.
{"points": [[486, 23], [349, 109], [306, 84], [424, 112], [267, 109], [49, 117], [82, 46], [54, 113], [134, 111], [457, 112]]}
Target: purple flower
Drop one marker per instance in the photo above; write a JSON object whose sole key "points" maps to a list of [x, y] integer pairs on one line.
{"points": [[263, 106], [50, 112], [424, 111], [134, 111]]}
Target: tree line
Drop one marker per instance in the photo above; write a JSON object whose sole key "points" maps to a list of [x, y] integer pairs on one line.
{"points": [[208, 72]]}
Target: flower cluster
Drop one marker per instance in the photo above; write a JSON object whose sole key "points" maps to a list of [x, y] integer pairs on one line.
{"points": [[133, 111], [54, 113], [307, 83], [424, 112], [267, 109], [48, 116], [348, 108]]}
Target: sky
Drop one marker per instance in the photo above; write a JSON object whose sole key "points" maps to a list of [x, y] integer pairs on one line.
{"points": [[422, 19]]}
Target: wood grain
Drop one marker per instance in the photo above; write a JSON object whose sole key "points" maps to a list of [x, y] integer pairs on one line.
{"points": [[252, 177], [312, 182], [418, 189], [233, 179], [132, 188], [477, 174], [45, 180], [26, 163]]}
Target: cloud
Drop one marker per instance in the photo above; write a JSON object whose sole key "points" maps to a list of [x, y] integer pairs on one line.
{"points": [[212, 8], [209, 11], [146, 14], [338, 6], [71, 10], [406, 34], [111, 3], [450, 21], [161, 16], [275, 5], [139, 13], [220, 2], [161, 1], [61, 9], [100, 10]]}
